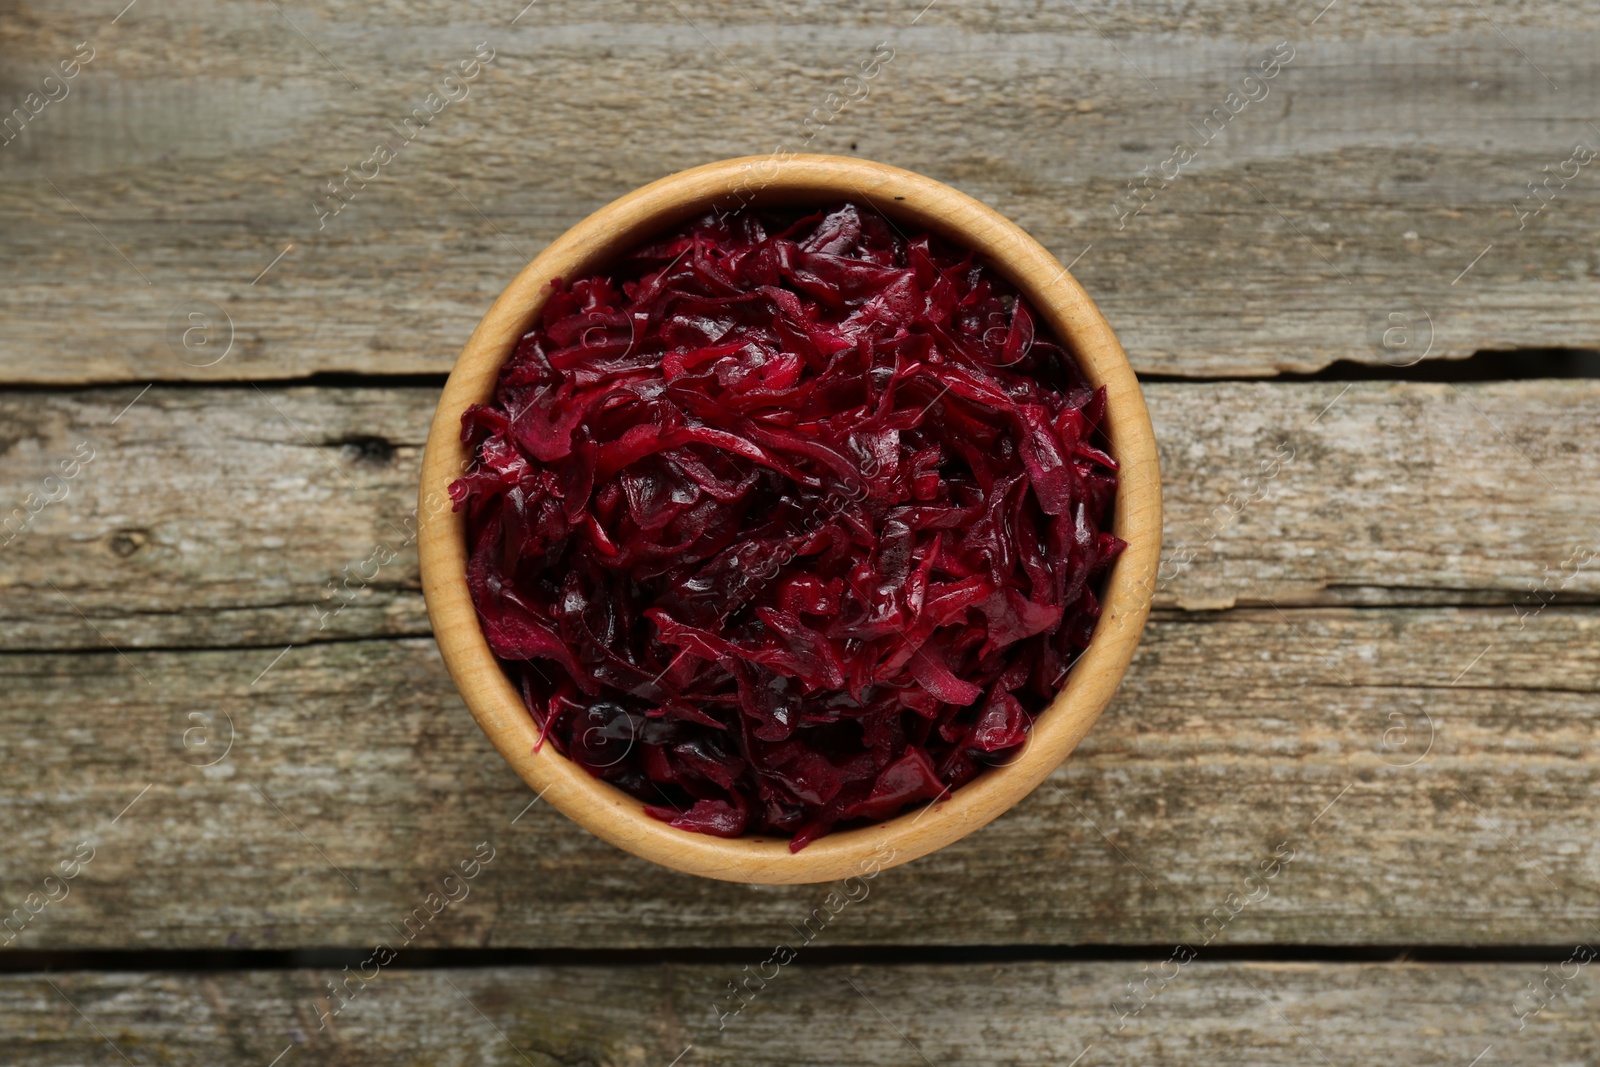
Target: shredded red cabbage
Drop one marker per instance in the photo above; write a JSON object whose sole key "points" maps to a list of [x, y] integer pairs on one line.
{"points": [[787, 523]]}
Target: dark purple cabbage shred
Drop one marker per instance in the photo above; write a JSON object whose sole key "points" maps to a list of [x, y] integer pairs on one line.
{"points": [[787, 523]]}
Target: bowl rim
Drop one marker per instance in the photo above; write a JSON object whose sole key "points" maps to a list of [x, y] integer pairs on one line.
{"points": [[905, 197]]}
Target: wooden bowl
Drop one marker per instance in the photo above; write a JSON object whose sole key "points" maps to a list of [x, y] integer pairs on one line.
{"points": [[915, 202]]}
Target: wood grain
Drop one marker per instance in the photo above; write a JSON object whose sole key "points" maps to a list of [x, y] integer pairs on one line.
{"points": [[213, 517], [1010, 1014], [1381, 174], [1382, 655], [1418, 811], [208, 520]]}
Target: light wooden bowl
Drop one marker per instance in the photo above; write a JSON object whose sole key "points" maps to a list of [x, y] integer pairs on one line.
{"points": [[915, 202]]}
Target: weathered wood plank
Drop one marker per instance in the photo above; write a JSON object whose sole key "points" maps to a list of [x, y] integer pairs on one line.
{"points": [[1393, 150], [1011, 1014], [1431, 791], [239, 516]]}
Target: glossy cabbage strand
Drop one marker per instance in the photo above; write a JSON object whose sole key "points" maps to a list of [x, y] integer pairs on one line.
{"points": [[788, 522]]}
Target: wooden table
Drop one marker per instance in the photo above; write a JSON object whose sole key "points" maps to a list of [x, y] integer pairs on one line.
{"points": [[1378, 664]]}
